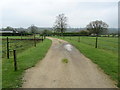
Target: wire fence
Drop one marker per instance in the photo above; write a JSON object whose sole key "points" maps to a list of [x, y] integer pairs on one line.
{"points": [[18, 44], [106, 43]]}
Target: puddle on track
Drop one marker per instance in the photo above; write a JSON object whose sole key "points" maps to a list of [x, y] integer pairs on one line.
{"points": [[68, 47]]}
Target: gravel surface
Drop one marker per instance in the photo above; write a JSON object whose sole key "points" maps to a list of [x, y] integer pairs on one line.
{"points": [[79, 72]]}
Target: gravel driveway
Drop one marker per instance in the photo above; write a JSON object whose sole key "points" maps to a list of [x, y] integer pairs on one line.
{"points": [[52, 72]]}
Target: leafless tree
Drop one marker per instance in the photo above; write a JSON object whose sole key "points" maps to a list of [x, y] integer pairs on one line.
{"points": [[97, 27], [60, 23], [33, 29]]}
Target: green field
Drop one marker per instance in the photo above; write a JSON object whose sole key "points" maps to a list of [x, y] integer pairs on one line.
{"points": [[19, 45], [106, 55], [27, 56], [107, 43]]}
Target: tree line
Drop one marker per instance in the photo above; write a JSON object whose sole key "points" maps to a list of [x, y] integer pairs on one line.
{"points": [[94, 27], [60, 26]]}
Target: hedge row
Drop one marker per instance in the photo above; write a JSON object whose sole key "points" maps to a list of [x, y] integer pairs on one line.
{"points": [[14, 34], [67, 34]]}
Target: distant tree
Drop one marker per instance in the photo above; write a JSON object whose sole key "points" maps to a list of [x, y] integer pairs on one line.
{"points": [[33, 29], [21, 29], [8, 29], [97, 27], [60, 23]]}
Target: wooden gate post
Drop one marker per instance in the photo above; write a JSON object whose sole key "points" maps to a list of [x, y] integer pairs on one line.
{"points": [[7, 48], [15, 61], [96, 42]]}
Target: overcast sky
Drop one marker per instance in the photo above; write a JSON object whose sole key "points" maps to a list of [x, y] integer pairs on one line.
{"points": [[42, 13]]}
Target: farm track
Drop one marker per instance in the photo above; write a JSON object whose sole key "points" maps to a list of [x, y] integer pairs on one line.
{"points": [[79, 72]]}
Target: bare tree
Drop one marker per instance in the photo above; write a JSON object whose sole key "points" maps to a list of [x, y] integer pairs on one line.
{"points": [[60, 24], [33, 29], [97, 27]]}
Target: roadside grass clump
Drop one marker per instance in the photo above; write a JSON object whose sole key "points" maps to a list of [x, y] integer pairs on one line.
{"points": [[26, 59], [65, 60]]}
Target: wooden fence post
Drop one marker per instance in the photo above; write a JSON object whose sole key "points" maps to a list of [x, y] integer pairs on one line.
{"points": [[96, 42], [15, 61], [7, 48], [34, 41]]}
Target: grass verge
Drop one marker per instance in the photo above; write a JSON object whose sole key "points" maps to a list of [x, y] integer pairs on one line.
{"points": [[25, 60]]}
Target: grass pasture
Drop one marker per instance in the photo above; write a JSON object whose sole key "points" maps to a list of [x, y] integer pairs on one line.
{"points": [[27, 56], [105, 56], [107, 43], [19, 45]]}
